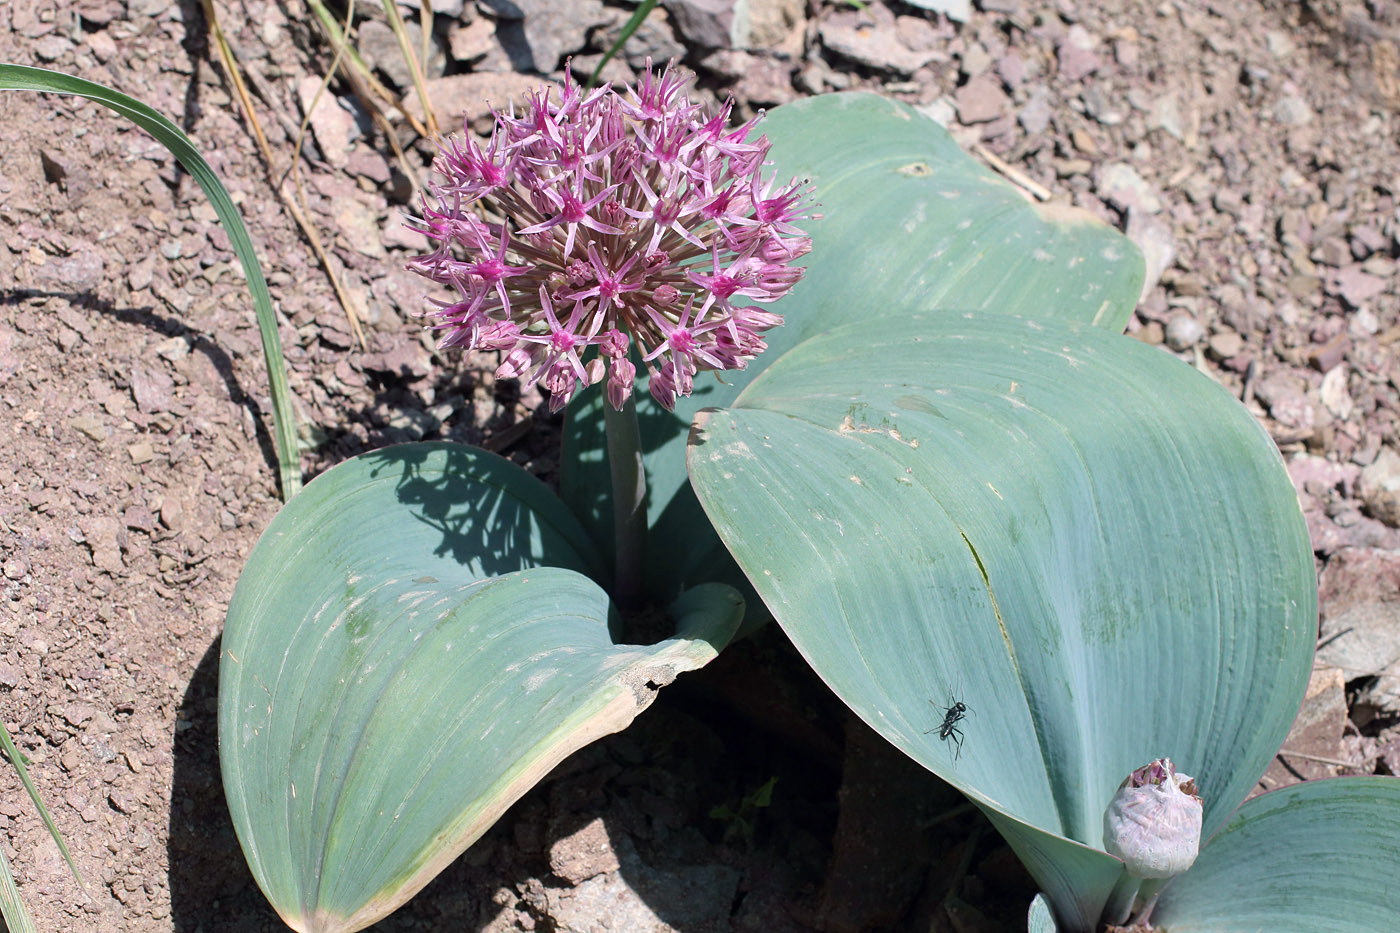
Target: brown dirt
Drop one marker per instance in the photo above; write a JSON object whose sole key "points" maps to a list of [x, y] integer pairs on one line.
{"points": [[139, 470]]}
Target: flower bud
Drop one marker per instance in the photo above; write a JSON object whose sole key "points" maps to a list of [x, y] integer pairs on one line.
{"points": [[1153, 823]]}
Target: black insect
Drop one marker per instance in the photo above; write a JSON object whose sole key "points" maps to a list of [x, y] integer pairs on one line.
{"points": [[948, 728]]}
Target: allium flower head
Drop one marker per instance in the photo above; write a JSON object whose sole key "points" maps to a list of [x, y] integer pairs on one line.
{"points": [[594, 220], [1154, 821]]}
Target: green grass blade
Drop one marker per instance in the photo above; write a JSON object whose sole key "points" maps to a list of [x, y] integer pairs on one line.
{"points": [[25, 78], [17, 760], [642, 12], [16, 918]]}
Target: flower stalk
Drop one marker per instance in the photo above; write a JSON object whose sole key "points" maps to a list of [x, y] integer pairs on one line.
{"points": [[629, 488]]}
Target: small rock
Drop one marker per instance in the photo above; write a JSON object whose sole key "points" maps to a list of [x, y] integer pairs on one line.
{"points": [[152, 389], [1359, 597], [583, 854], [1335, 396], [1155, 241], [958, 10], [1380, 487], [141, 452], [707, 23], [471, 42], [1293, 111], [1165, 115], [1121, 185], [15, 568], [471, 97], [333, 125], [1280, 43], [101, 45], [1356, 287], [447, 9], [553, 28], [1076, 56], [51, 48], [100, 532], [1035, 116], [873, 38], [1284, 394], [980, 100], [975, 60], [1183, 332], [1226, 344], [89, 427], [360, 228]]}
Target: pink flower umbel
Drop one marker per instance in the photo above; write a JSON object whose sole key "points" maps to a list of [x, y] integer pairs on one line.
{"points": [[594, 220]]}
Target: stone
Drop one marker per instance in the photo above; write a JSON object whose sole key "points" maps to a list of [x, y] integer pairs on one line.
{"points": [[1285, 396], [1380, 487], [980, 100], [1293, 111], [1076, 56], [1356, 286], [872, 37], [553, 28], [1120, 185], [471, 42], [1183, 332], [1035, 116], [696, 897], [361, 230], [1316, 733], [1226, 344], [471, 97], [957, 10], [1334, 393], [583, 854], [1155, 241], [1359, 597], [707, 23], [333, 125], [446, 9], [1165, 114]]}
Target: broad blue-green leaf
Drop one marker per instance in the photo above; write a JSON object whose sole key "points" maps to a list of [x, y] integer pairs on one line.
{"points": [[909, 223], [1321, 857], [1083, 539], [1040, 919], [414, 643]]}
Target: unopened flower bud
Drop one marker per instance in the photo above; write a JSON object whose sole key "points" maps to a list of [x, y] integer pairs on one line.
{"points": [[1153, 823]]}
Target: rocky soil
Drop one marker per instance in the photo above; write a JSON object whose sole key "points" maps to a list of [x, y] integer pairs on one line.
{"points": [[1249, 147]]}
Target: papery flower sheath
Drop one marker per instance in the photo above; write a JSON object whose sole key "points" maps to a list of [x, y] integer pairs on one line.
{"points": [[1154, 821], [591, 222]]}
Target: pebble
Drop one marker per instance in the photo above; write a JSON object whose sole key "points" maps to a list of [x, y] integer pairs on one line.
{"points": [[1075, 54], [1035, 116], [872, 37], [51, 48], [1293, 111], [1226, 344], [980, 100], [959, 10], [1154, 240], [1121, 185], [332, 125], [1380, 487], [553, 28], [1356, 287], [141, 452], [1183, 332], [1334, 393], [15, 568]]}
